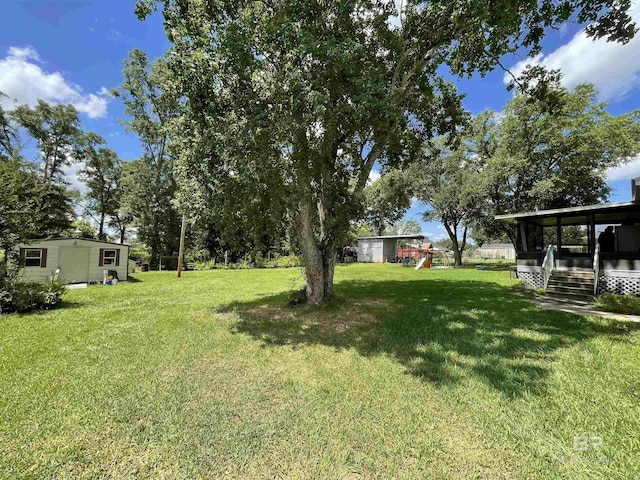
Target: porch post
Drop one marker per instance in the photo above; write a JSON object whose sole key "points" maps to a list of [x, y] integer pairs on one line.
{"points": [[558, 235], [592, 234], [523, 236]]}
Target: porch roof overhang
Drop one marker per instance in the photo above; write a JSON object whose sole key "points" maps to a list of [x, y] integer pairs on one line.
{"points": [[609, 213]]}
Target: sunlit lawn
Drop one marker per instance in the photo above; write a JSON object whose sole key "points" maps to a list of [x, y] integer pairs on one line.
{"points": [[410, 374]]}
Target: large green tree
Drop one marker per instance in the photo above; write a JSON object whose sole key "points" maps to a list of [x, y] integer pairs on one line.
{"points": [[82, 228], [146, 196], [404, 227], [449, 184], [59, 135], [30, 205], [149, 189], [101, 175], [8, 135], [552, 158], [301, 97], [387, 199], [122, 219]]}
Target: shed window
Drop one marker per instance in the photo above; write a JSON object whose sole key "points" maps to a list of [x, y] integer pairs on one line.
{"points": [[34, 257], [109, 257]]}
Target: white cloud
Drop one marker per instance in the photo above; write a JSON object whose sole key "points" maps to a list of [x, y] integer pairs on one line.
{"points": [[395, 21], [71, 175], [625, 172], [613, 68], [22, 53], [374, 175], [24, 81]]}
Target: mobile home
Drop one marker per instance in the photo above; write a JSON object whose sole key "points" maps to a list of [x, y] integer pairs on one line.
{"points": [[72, 260]]}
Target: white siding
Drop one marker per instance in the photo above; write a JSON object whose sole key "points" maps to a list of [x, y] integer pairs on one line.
{"points": [[498, 253], [39, 274], [370, 250]]}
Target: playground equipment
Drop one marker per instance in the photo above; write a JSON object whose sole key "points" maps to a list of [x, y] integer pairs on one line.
{"points": [[423, 255], [443, 256], [427, 260]]}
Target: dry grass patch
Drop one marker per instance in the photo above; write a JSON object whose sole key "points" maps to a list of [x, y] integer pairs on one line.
{"points": [[339, 317]]}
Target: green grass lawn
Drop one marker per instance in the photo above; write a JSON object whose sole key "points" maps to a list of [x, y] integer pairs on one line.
{"points": [[410, 374]]}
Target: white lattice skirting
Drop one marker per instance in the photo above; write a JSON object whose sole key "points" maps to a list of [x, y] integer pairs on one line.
{"points": [[531, 279], [620, 285]]}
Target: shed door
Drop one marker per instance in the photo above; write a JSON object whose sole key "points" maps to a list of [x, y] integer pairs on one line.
{"points": [[74, 264]]}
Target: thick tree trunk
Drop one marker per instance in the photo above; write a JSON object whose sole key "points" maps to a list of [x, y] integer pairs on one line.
{"points": [[313, 264], [453, 236], [319, 263], [319, 271], [101, 235], [329, 259], [464, 244], [457, 257]]}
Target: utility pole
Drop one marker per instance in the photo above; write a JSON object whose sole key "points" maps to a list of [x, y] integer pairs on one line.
{"points": [[181, 251]]}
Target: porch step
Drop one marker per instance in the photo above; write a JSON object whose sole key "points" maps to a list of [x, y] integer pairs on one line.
{"points": [[571, 285], [563, 282], [571, 289], [572, 273]]}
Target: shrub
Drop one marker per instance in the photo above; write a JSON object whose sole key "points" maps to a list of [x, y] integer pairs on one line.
{"points": [[286, 262], [206, 265], [21, 297], [241, 265], [611, 302], [260, 262], [140, 254]]}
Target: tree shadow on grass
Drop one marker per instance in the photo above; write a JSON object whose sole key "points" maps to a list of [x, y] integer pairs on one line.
{"points": [[441, 331]]}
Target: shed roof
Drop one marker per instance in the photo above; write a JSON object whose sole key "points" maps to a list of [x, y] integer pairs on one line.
{"points": [[394, 237], [40, 240]]}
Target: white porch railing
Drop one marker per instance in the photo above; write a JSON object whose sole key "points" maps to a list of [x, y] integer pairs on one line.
{"points": [[596, 269], [547, 265]]}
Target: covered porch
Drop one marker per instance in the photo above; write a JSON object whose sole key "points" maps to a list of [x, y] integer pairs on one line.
{"points": [[602, 239]]}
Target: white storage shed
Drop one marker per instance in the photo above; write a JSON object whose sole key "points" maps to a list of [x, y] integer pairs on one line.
{"points": [[382, 248], [498, 250], [76, 260]]}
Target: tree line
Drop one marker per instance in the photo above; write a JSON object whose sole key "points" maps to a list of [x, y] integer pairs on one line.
{"points": [[123, 200], [534, 155], [264, 120]]}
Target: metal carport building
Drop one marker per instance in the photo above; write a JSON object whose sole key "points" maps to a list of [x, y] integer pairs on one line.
{"points": [[382, 248]]}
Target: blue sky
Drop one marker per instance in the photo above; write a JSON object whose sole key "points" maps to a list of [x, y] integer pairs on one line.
{"points": [[71, 51]]}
